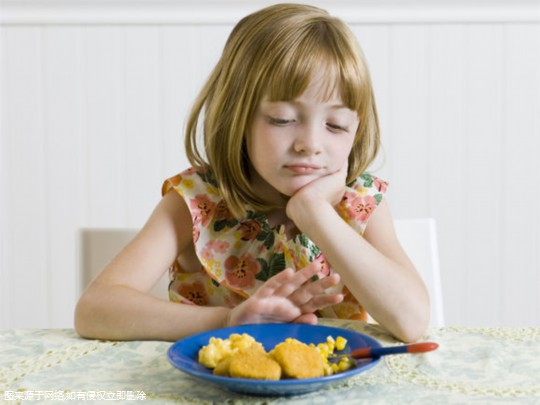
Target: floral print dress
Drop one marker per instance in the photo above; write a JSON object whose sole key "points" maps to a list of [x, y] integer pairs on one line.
{"points": [[239, 254]]}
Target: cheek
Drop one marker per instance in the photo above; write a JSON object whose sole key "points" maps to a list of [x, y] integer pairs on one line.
{"points": [[260, 151], [264, 145], [342, 150]]}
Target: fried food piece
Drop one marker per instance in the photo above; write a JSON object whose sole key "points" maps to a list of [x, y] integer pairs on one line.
{"points": [[298, 360], [223, 366], [253, 363]]}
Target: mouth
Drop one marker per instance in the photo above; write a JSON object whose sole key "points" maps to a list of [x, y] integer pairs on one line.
{"points": [[303, 168]]}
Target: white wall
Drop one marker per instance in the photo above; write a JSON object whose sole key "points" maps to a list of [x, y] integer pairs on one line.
{"points": [[94, 96]]}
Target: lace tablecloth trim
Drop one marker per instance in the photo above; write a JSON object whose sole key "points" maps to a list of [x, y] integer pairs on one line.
{"points": [[398, 367], [49, 359], [515, 334], [404, 369]]}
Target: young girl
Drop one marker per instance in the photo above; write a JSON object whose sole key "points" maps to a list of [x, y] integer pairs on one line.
{"points": [[277, 220]]}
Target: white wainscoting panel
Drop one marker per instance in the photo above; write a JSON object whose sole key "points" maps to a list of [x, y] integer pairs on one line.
{"points": [[94, 97]]}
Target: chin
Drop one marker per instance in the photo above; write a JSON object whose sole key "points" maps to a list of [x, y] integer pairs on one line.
{"points": [[286, 186], [291, 189]]}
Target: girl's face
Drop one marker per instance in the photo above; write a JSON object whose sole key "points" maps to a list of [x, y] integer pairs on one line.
{"points": [[293, 143]]}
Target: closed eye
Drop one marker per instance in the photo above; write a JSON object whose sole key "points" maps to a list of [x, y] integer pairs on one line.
{"points": [[279, 121], [336, 127]]}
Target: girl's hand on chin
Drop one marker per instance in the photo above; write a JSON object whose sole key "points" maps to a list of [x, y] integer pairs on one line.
{"points": [[329, 188], [288, 296]]}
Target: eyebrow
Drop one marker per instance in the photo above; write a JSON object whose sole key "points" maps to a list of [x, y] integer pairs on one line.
{"points": [[339, 106], [295, 102]]}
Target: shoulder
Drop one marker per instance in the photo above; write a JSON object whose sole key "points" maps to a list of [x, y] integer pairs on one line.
{"points": [[202, 197], [367, 183], [361, 198], [190, 183]]}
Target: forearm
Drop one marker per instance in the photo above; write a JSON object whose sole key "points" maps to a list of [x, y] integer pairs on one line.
{"points": [[122, 313], [391, 292]]}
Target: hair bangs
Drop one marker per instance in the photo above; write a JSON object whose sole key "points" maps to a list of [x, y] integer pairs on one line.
{"points": [[320, 52]]}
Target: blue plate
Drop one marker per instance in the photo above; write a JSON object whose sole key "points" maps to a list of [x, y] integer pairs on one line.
{"points": [[184, 355]]}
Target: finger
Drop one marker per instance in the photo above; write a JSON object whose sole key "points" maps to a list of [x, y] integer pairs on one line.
{"points": [[274, 283], [325, 282], [309, 318], [303, 295], [279, 309], [297, 280], [264, 310], [321, 301]]}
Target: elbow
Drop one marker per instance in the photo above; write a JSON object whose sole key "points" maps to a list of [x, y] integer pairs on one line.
{"points": [[412, 333], [79, 320], [413, 327], [83, 318], [415, 323], [409, 325], [407, 330]]}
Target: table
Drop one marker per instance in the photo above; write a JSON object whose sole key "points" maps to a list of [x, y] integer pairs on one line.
{"points": [[472, 365]]}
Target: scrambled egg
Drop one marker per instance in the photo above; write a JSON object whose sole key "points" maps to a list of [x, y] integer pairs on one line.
{"points": [[220, 349]]}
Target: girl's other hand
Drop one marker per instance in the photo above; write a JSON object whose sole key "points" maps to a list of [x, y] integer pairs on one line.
{"points": [[288, 296]]}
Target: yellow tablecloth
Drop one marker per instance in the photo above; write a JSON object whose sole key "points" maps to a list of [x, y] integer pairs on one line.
{"points": [[472, 365]]}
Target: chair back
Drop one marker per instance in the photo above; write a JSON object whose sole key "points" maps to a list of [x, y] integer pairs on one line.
{"points": [[99, 246], [419, 239]]}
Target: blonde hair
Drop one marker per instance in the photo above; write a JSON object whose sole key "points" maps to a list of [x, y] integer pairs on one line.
{"points": [[275, 52]]}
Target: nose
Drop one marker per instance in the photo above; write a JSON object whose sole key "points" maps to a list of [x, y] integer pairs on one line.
{"points": [[307, 140]]}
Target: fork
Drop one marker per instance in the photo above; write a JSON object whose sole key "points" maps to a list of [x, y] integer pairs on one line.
{"points": [[373, 352]]}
